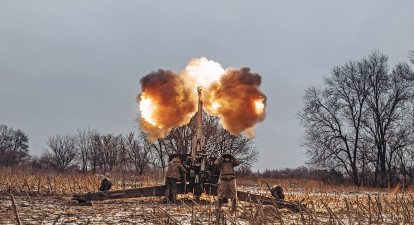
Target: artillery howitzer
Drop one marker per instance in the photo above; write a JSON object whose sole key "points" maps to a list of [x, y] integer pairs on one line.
{"points": [[202, 177]]}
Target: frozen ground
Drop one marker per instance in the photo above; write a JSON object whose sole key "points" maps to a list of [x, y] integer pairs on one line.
{"points": [[324, 205], [62, 210]]}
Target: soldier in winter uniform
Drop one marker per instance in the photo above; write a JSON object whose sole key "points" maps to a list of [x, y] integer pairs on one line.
{"points": [[172, 176], [227, 185], [106, 183]]}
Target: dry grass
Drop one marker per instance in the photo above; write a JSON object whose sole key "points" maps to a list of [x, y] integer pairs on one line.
{"points": [[45, 198], [20, 182]]}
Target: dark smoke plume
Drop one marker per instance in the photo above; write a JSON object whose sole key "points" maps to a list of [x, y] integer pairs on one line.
{"points": [[236, 93], [173, 104]]}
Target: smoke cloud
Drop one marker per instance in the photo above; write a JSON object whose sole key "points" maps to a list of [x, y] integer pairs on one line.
{"points": [[172, 104], [169, 100], [235, 97]]}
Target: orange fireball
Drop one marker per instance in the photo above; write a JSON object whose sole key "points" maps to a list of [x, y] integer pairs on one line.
{"points": [[169, 100]]}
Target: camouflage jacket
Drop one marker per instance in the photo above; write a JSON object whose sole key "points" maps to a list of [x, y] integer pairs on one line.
{"points": [[174, 169], [227, 168]]}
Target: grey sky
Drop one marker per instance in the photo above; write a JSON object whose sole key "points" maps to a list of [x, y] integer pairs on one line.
{"points": [[77, 64]]}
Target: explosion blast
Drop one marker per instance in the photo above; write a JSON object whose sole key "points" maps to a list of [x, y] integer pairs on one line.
{"points": [[169, 100]]}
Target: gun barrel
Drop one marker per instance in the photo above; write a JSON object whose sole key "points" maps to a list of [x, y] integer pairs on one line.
{"points": [[199, 139]]}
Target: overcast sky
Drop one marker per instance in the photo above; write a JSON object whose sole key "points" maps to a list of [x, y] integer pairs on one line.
{"points": [[73, 64]]}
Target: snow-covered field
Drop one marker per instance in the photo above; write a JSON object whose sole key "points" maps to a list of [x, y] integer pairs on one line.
{"points": [[63, 210], [47, 200]]}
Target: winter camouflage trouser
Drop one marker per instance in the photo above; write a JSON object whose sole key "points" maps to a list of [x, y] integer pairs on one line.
{"points": [[226, 189], [170, 189]]}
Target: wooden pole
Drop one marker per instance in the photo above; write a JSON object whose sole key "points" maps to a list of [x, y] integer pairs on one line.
{"points": [[15, 210]]}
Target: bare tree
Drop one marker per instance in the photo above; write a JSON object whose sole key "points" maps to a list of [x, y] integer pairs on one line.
{"points": [[110, 151], [104, 152], [63, 152], [84, 146], [95, 152], [353, 123], [218, 141], [14, 146], [329, 142], [124, 161], [333, 116], [387, 100], [160, 152], [137, 152], [411, 56], [179, 139]]}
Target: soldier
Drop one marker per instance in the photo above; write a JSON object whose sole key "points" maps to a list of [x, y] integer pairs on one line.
{"points": [[106, 183], [277, 192], [227, 183], [172, 176]]}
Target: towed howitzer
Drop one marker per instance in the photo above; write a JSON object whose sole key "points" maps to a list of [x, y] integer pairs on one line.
{"points": [[202, 177]]}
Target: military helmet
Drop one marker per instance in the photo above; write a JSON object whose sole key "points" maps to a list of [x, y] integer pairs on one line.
{"points": [[227, 156]]}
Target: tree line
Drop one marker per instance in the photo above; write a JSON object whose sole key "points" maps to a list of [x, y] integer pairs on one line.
{"points": [[90, 150], [360, 121]]}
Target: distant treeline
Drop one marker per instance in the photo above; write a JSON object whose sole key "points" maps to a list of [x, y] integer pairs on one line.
{"points": [[90, 150], [306, 173], [302, 172]]}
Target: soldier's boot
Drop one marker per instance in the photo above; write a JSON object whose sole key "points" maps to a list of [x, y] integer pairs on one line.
{"points": [[234, 206], [197, 198], [220, 203], [173, 199]]}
